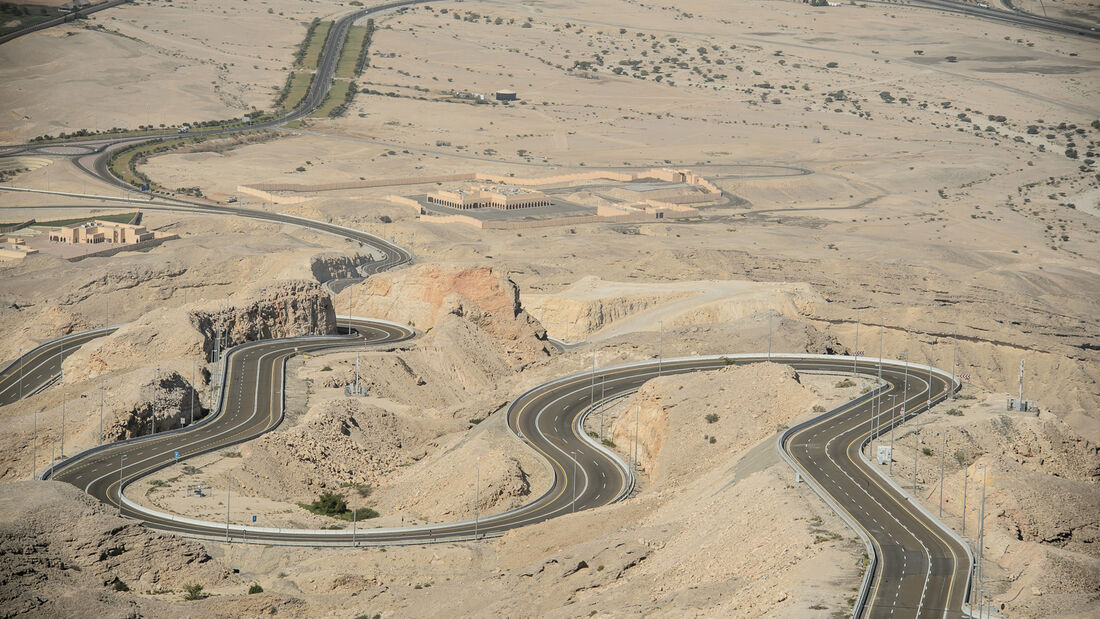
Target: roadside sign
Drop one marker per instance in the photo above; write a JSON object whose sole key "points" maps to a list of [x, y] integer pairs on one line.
{"points": [[253, 518], [965, 376], [859, 353], [177, 456], [883, 454]]}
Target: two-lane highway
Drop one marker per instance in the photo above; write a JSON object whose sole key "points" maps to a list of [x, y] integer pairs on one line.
{"points": [[39, 368]]}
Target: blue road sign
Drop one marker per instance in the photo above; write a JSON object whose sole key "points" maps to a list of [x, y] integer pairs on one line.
{"points": [[253, 519], [177, 456]]}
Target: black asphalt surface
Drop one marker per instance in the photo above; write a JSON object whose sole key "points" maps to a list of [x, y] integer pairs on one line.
{"points": [[905, 540], [38, 368], [921, 571]]}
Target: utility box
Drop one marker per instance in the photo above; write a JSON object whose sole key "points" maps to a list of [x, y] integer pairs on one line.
{"points": [[884, 454]]}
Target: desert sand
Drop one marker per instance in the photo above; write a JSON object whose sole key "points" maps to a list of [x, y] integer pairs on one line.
{"points": [[912, 182]]}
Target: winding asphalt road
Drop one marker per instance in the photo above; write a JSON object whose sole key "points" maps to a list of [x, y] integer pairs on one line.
{"points": [[39, 368]]}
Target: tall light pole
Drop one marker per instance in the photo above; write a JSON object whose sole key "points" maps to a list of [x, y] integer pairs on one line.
{"points": [[954, 358], [769, 335], [354, 514], [63, 424], [881, 334], [916, 444], [661, 350], [592, 384], [855, 357], [637, 412], [357, 373], [477, 497], [121, 464], [943, 447], [966, 471], [573, 506], [101, 384], [194, 372], [893, 417], [20, 372], [34, 448], [153, 415], [228, 499]]}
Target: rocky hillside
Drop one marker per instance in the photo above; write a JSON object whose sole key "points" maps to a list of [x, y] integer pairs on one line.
{"points": [[62, 553], [278, 309], [425, 296]]}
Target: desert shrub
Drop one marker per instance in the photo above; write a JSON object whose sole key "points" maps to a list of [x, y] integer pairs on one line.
{"points": [[926, 451], [845, 383], [711, 417], [118, 585], [193, 592], [954, 412], [255, 588], [819, 408]]}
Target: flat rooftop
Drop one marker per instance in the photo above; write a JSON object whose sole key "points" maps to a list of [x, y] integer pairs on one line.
{"points": [[556, 210]]}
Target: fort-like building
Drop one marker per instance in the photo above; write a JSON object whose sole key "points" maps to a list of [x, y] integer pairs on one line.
{"points": [[503, 197], [97, 231]]}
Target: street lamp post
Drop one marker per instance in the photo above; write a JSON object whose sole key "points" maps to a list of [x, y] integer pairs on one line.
{"points": [[573, 507], [660, 346], [855, 357], [477, 498], [63, 424], [34, 448], [121, 464], [20, 372], [943, 448], [228, 499], [893, 417]]}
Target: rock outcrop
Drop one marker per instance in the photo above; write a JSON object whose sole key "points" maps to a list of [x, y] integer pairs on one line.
{"points": [[335, 265], [154, 400], [279, 309], [426, 296]]}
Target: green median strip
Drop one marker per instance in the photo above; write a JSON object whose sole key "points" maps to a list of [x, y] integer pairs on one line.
{"points": [[337, 100], [353, 56], [295, 90], [309, 53]]}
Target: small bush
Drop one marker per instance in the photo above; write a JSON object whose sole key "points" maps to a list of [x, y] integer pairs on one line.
{"points": [[255, 588], [713, 440], [193, 592], [118, 585], [954, 412], [926, 451], [819, 408], [845, 383], [711, 418], [608, 443], [327, 368]]}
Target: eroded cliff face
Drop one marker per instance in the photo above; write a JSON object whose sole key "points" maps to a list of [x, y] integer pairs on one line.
{"points": [[280, 309], [335, 265], [155, 401], [434, 296]]}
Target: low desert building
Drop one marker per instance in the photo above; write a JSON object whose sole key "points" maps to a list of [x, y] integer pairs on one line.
{"points": [[14, 248], [503, 197], [96, 231], [506, 95]]}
